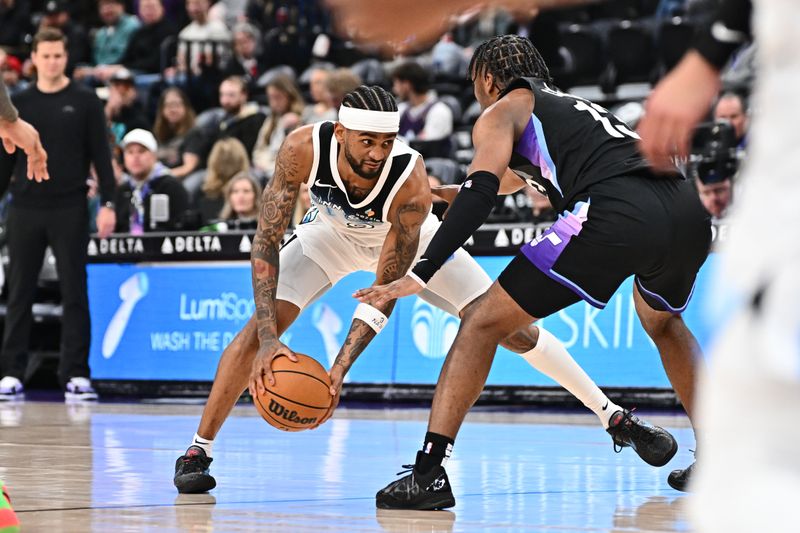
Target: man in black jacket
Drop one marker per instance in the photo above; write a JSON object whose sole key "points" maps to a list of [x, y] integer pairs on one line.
{"points": [[144, 50], [55, 213], [146, 177]]}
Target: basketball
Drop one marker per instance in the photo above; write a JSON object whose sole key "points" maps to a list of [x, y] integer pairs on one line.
{"points": [[300, 397]]}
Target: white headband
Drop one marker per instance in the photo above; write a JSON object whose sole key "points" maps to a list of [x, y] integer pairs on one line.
{"points": [[366, 120]]}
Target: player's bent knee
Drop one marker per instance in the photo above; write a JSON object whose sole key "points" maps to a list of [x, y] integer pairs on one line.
{"points": [[663, 326], [478, 323]]}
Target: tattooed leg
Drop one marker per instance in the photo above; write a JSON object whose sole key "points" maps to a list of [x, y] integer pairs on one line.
{"points": [[234, 369]]}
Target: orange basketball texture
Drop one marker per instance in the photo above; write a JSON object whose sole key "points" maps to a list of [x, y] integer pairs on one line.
{"points": [[300, 397]]}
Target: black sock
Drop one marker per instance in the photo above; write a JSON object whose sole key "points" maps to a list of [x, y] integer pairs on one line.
{"points": [[436, 449]]}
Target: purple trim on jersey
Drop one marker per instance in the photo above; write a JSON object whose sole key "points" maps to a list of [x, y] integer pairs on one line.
{"points": [[662, 301], [532, 145], [574, 287], [545, 250]]}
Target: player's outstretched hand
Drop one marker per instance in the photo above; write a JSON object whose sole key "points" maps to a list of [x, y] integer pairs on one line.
{"points": [[20, 134], [380, 295], [674, 108], [337, 373], [262, 366]]}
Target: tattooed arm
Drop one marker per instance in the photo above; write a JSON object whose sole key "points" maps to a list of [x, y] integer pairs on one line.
{"points": [[277, 205], [408, 211]]}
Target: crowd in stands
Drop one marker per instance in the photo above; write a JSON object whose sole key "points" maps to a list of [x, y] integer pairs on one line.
{"points": [[199, 94]]}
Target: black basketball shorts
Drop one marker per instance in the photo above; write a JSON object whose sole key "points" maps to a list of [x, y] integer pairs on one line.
{"points": [[655, 229]]}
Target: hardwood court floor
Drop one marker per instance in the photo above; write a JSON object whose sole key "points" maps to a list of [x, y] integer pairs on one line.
{"points": [[109, 467]]}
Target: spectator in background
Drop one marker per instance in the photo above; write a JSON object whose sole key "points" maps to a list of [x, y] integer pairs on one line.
{"points": [[11, 69], [143, 55], [246, 61], [56, 15], [448, 58], [242, 202], [286, 107], [123, 109], [230, 12], [73, 130], [731, 107], [234, 118], [203, 43], [203, 52], [422, 116], [227, 159], [716, 193], [144, 177], [179, 142], [15, 23], [242, 119], [340, 82], [321, 109], [110, 41]]}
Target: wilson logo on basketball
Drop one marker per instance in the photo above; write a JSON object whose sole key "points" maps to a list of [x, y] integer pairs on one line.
{"points": [[290, 416]]}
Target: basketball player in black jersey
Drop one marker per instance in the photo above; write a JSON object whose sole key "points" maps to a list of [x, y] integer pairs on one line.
{"points": [[619, 219]]}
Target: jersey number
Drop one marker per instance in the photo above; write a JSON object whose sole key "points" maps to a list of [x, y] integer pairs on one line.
{"points": [[615, 130]]}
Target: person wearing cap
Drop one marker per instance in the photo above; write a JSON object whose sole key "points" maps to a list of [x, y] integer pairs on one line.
{"points": [[72, 126], [144, 177], [11, 70], [123, 109]]}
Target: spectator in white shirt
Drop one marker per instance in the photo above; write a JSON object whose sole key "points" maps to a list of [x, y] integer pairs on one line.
{"points": [[422, 116]]}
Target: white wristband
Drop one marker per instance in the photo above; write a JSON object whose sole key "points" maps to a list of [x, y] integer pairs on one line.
{"points": [[371, 316]]}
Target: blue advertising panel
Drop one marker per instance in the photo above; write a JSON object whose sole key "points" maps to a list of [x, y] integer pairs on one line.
{"points": [[172, 321]]}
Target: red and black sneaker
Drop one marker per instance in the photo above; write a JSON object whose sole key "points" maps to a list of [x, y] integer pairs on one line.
{"points": [[191, 472], [655, 445]]}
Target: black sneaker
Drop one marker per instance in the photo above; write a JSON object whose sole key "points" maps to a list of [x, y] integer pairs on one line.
{"points": [[191, 472], [426, 492], [653, 444], [679, 479]]}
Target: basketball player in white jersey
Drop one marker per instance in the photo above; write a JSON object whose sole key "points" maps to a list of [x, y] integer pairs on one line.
{"points": [[371, 210]]}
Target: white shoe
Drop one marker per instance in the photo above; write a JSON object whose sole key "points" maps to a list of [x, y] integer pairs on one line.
{"points": [[80, 390], [11, 389]]}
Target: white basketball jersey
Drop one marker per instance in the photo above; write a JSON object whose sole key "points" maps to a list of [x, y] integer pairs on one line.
{"points": [[364, 222]]}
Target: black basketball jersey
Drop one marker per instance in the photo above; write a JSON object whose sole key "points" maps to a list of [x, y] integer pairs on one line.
{"points": [[571, 143], [368, 218]]}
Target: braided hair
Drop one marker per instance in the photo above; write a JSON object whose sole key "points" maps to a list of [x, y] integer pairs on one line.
{"points": [[508, 57], [372, 98]]}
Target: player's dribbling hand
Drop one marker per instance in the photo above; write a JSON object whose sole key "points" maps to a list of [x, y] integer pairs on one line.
{"points": [[262, 366], [379, 295]]}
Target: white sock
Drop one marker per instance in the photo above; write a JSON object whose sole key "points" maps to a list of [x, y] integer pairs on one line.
{"points": [[552, 359], [205, 444]]}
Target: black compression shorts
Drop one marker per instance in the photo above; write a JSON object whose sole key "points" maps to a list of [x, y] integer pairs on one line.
{"points": [[653, 228]]}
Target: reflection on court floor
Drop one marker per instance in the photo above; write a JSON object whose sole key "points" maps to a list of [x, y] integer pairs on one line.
{"points": [[109, 468]]}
